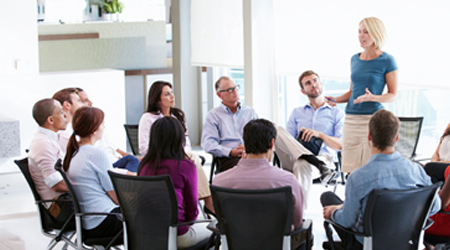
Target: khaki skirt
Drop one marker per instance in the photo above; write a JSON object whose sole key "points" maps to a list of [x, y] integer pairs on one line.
{"points": [[355, 149]]}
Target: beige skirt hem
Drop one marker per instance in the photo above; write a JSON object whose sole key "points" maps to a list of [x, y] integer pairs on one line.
{"points": [[355, 149]]}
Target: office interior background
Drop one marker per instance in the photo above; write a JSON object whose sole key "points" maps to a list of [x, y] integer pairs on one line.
{"points": [[263, 44]]}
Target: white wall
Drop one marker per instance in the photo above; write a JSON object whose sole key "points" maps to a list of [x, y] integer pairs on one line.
{"points": [[22, 86], [19, 39], [18, 65]]}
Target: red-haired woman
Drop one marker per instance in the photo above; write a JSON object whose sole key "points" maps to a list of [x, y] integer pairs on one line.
{"points": [[87, 168]]}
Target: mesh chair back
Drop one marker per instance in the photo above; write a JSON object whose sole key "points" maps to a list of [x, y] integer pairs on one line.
{"points": [[409, 132], [149, 207], [395, 218], [253, 219], [76, 203], [132, 135], [48, 222]]}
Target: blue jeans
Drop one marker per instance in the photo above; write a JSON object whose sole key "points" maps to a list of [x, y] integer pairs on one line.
{"points": [[129, 162]]}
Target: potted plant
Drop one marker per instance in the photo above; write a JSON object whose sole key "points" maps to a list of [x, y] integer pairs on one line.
{"points": [[112, 9]]}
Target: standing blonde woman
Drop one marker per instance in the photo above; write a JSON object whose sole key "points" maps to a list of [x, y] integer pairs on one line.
{"points": [[371, 71]]}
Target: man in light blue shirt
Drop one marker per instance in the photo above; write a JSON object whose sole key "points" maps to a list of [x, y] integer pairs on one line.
{"points": [[224, 125], [317, 119], [386, 169]]}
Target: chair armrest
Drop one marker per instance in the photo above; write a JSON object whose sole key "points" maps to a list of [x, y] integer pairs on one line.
{"points": [[202, 159], [428, 223], [347, 230], [213, 226], [44, 201], [306, 225], [191, 222], [118, 215]]}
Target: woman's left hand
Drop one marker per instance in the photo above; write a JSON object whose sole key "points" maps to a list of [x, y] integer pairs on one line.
{"points": [[367, 97]]}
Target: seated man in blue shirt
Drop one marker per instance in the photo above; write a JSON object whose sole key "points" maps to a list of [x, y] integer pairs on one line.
{"points": [[224, 125], [317, 119], [386, 169]]}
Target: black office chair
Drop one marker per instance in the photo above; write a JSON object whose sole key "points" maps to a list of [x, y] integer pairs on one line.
{"points": [[57, 231], [257, 219], [409, 132], [132, 135], [393, 219], [98, 242], [215, 166], [150, 211]]}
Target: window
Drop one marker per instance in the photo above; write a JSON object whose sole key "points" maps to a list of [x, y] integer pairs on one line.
{"points": [[410, 102]]}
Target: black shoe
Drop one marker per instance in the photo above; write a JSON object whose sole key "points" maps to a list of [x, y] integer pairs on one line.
{"points": [[327, 176], [316, 180], [337, 244]]}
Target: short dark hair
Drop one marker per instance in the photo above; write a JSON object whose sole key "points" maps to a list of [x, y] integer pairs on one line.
{"points": [[257, 136], [383, 127], [217, 85], [42, 110], [64, 95], [304, 74]]}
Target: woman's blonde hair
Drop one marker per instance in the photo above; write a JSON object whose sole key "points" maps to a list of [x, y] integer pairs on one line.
{"points": [[376, 30]]}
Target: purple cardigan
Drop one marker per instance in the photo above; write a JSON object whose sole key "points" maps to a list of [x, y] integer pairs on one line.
{"points": [[185, 183]]}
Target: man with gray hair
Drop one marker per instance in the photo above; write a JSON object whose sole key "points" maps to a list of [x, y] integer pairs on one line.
{"points": [[223, 128]]}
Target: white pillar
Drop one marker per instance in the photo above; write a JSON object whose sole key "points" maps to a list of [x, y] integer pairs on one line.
{"points": [[186, 79], [259, 59]]}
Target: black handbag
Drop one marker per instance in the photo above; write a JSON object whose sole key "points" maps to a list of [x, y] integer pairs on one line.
{"points": [[313, 145]]}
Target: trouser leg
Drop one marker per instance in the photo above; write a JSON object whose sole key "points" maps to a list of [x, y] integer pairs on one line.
{"points": [[225, 163], [202, 181], [436, 170], [128, 162]]}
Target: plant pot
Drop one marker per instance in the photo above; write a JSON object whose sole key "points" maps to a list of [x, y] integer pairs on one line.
{"points": [[115, 17]]}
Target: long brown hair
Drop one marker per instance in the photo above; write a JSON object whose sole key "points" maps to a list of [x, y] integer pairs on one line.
{"points": [[167, 141], [154, 97], [85, 122]]}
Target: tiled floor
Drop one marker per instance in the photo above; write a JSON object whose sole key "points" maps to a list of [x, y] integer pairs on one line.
{"points": [[19, 222]]}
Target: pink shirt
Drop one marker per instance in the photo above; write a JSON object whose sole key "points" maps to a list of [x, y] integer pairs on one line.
{"points": [[259, 174], [43, 154], [145, 124]]}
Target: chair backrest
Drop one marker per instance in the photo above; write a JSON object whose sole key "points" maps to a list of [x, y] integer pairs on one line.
{"points": [[410, 128], [149, 207], [395, 218], [48, 222], [132, 135], [76, 203], [253, 219]]}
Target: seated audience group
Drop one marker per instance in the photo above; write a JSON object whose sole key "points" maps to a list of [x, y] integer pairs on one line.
{"points": [[243, 145]]}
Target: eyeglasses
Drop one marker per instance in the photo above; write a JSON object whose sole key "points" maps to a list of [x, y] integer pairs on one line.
{"points": [[230, 90]]}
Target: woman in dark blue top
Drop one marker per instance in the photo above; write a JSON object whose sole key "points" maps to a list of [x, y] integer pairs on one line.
{"points": [[371, 71]]}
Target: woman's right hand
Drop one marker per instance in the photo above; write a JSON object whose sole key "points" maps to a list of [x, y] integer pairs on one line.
{"points": [[331, 100]]}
